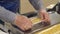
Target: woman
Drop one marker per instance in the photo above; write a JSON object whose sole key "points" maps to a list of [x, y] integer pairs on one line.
{"points": [[7, 7]]}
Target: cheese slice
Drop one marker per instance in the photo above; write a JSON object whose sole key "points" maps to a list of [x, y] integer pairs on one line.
{"points": [[35, 20]]}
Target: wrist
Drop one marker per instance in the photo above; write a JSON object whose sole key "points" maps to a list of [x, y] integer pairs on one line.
{"points": [[16, 19]]}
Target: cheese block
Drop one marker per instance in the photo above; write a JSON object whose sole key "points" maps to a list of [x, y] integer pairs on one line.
{"points": [[52, 30]]}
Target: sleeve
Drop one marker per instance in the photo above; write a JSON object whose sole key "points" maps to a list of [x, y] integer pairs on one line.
{"points": [[7, 15], [12, 5], [37, 4]]}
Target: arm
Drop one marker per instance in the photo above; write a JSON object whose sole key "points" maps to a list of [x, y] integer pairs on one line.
{"points": [[7, 15], [19, 20], [38, 5]]}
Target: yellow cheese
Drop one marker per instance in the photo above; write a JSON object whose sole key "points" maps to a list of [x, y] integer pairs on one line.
{"points": [[52, 30], [35, 20]]}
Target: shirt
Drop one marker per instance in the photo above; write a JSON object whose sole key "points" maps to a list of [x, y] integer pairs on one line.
{"points": [[11, 5]]}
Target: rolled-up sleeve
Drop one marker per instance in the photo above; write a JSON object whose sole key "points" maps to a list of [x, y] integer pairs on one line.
{"points": [[7, 15], [37, 4]]}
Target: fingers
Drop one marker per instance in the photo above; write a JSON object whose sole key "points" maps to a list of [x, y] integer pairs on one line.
{"points": [[27, 24], [47, 19], [44, 16]]}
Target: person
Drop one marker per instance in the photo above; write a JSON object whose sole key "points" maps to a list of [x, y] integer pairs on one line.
{"points": [[8, 9], [9, 6]]}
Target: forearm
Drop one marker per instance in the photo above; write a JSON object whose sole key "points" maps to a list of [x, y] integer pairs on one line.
{"points": [[7, 15], [37, 4]]}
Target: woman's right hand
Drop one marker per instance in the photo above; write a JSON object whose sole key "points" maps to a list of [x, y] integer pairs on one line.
{"points": [[23, 22]]}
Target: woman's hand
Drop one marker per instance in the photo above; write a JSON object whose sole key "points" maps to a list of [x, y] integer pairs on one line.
{"points": [[44, 16], [23, 22]]}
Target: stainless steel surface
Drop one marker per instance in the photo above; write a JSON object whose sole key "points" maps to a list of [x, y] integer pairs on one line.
{"points": [[55, 18]]}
